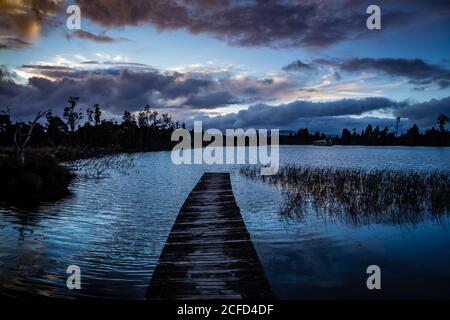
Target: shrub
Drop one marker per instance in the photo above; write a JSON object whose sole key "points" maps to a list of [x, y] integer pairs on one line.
{"points": [[41, 178]]}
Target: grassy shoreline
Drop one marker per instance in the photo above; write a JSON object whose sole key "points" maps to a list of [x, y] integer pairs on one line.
{"points": [[43, 176]]}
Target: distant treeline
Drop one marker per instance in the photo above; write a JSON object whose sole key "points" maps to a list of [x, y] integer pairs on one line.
{"points": [[148, 131], [374, 136]]}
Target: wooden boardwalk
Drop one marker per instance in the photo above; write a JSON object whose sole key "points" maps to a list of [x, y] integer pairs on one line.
{"points": [[209, 253]]}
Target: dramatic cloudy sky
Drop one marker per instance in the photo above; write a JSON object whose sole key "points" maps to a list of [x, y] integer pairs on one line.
{"points": [[263, 64]]}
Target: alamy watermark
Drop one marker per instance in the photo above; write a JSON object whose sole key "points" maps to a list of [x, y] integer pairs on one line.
{"points": [[232, 148], [373, 22], [73, 21], [374, 280], [74, 280]]}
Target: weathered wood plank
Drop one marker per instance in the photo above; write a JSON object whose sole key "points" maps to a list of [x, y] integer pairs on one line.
{"points": [[209, 253]]}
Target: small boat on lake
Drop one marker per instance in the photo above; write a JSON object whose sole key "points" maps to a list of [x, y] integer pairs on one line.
{"points": [[323, 143]]}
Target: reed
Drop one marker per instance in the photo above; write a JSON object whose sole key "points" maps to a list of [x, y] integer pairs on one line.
{"points": [[359, 195], [98, 166]]}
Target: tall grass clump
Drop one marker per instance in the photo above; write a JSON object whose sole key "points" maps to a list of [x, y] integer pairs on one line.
{"points": [[360, 195], [98, 166]]}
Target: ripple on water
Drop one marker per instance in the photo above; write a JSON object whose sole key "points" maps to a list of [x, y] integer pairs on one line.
{"points": [[115, 227]]}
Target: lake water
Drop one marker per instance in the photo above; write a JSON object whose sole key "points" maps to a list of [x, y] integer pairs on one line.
{"points": [[114, 229]]}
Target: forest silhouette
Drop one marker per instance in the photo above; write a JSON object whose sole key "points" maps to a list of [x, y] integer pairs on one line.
{"points": [[86, 133]]}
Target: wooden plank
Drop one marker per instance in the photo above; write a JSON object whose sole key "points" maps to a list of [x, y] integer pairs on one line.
{"points": [[209, 253]]}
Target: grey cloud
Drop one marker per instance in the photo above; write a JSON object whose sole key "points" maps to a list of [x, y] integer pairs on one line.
{"points": [[211, 100], [115, 63], [116, 89], [425, 113], [265, 81], [337, 76], [276, 23], [298, 65], [281, 115], [82, 34], [331, 117], [328, 125], [13, 43], [258, 23], [40, 67], [417, 71], [128, 85]]}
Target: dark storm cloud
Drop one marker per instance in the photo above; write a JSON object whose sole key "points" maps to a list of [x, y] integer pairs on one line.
{"points": [[115, 89], [331, 117], [186, 87], [258, 23], [211, 100], [328, 125], [276, 23], [417, 71], [127, 85], [425, 114], [261, 115]]}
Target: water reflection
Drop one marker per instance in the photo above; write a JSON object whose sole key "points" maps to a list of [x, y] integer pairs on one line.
{"points": [[114, 228]]}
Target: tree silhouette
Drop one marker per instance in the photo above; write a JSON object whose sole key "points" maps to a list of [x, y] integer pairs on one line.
{"points": [[442, 120], [21, 140], [144, 117], [128, 118], [90, 116], [97, 114], [5, 120], [71, 115]]}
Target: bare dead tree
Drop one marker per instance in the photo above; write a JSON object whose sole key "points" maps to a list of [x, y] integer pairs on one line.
{"points": [[21, 140]]}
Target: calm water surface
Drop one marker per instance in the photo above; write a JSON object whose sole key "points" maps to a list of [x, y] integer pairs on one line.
{"points": [[115, 227]]}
